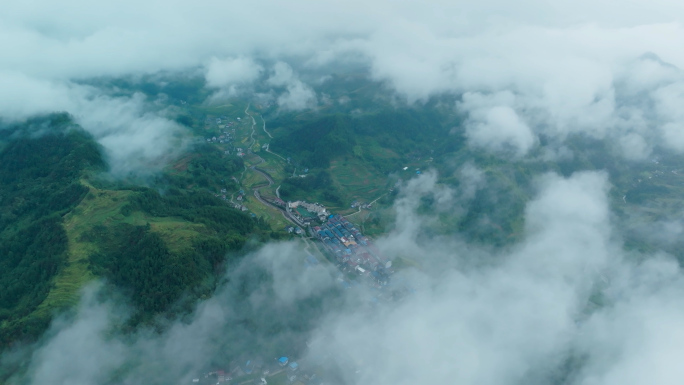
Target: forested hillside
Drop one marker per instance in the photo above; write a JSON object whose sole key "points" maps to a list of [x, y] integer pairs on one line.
{"points": [[61, 226], [40, 166], [318, 140]]}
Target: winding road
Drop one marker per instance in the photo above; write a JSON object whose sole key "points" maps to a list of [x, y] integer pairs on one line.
{"points": [[257, 195], [264, 127], [373, 201], [268, 177]]}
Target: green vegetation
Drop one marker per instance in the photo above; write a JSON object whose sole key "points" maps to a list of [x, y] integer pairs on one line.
{"points": [[159, 261], [40, 166], [357, 179], [377, 138], [60, 227], [318, 182], [189, 89], [164, 245], [352, 156], [206, 168], [317, 142]]}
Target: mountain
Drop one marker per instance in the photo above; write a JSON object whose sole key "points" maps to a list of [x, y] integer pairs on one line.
{"points": [[62, 225]]}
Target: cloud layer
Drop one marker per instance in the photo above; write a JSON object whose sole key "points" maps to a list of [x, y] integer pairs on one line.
{"points": [[260, 310], [565, 305], [526, 70]]}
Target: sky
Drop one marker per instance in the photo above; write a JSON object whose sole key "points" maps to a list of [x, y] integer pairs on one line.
{"points": [[519, 70]]}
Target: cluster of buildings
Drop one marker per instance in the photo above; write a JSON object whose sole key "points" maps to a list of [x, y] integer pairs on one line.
{"points": [[278, 202], [245, 371], [221, 121], [295, 229], [313, 208], [240, 198], [223, 136], [352, 249]]}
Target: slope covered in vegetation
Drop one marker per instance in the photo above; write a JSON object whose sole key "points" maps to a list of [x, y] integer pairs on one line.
{"points": [[61, 226], [40, 166]]}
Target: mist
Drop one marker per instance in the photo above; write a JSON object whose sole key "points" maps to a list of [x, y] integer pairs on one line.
{"points": [[567, 303], [266, 306], [522, 71]]}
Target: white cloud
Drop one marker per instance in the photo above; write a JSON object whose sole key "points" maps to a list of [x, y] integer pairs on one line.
{"points": [[298, 95], [262, 294], [231, 71], [531, 315], [492, 123], [490, 324], [527, 313], [134, 139], [634, 147], [572, 68], [525, 69]]}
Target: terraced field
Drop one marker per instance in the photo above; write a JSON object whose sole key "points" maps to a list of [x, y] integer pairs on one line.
{"points": [[356, 180], [103, 208]]}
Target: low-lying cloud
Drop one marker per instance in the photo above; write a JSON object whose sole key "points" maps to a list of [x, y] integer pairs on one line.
{"points": [[565, 305], [136, 138], [258, 311], [297, 95], [592, 69]]}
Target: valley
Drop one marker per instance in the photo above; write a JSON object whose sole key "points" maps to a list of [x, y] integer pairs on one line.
{"points": [[332, 183]]}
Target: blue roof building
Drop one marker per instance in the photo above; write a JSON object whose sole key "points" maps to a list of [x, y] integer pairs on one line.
{"points": [[294, 366], [282, 361]]}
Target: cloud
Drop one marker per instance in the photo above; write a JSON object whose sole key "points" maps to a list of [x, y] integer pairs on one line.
{"points": [[232, 76], [23, 96], [493, 324], [82, 340], [530, 316], [566, 304], [587, 79], [259, 311], [298, 96], [634, 147], [136, 140], [136, 136], [493, 124], [222, 73], [588, 70]]}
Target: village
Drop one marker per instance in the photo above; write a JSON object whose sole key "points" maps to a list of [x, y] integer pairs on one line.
{"points": [[352, 251], [277, 371], [358, 260], [328, 237], [341, 242]]}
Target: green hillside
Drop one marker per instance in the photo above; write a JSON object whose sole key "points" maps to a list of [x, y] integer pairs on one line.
{"points": [[61, 226], [39, 184]]}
